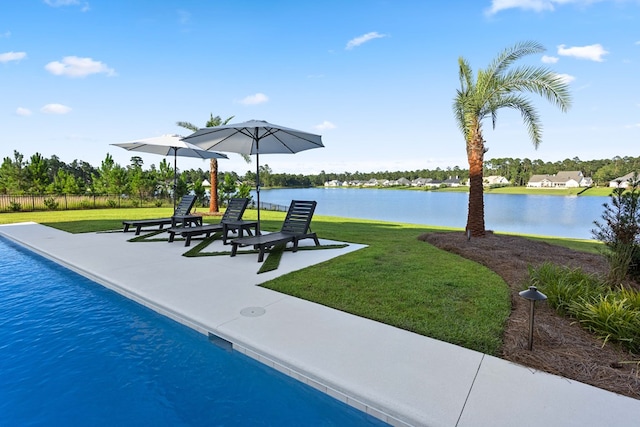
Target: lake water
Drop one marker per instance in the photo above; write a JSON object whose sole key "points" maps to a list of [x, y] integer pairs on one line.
{"points": [[560, 216]]}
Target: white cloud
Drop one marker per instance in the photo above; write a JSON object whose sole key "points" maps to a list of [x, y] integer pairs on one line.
{"points": [[363, 39], [61, 3], [5, 35], [534, 5], [550, 59], [566, 78], [12, 56], [58, 3], [21, 111], [258, 98], [593, 52], [326, 125], [73, 66], [55, 109]]}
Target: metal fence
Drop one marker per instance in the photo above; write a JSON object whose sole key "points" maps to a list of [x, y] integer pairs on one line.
{"points": [[54, 202], [50, 202]]}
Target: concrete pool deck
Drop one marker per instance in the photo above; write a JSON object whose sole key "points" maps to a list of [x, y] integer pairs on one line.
{"points": [[398, 376]]}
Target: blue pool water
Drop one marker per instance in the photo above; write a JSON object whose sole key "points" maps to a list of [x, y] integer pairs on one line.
{"points": [[75, 353]]}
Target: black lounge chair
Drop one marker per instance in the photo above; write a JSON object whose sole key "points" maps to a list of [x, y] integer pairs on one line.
{"points": [[231, 221], [181, 215], [296, 227]]}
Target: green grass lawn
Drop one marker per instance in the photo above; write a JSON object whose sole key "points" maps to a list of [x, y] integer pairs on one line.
{"points": [[398, 279]]}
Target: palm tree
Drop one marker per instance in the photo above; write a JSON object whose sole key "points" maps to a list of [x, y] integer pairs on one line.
{"points": [[213, 164], [494, 88]]}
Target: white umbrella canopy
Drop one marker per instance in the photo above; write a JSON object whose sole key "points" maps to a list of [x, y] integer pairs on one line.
{"points": [[254, 137], [167, 145]]}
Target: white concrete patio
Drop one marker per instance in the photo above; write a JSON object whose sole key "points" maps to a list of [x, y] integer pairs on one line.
{"points": [[398, 376]]}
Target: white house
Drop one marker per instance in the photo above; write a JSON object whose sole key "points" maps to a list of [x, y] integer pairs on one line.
{"points": [[563, 179], [623, 181], [495, 180]]}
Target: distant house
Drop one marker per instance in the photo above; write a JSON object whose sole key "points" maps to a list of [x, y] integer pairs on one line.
{"points": [[623, 181], [421, 182], [494, 180], [402, 182], [452, 182], [333, 183], [563, 179]]}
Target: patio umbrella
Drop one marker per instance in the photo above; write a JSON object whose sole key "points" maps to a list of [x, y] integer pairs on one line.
{"points": [[254, 137], [167, 145]]}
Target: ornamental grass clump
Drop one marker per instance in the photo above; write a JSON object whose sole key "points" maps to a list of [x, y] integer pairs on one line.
{"points": [[612, 317], [563, 286], [611, 314]]}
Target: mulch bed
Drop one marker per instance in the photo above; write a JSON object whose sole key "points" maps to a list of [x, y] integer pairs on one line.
{"points": [[560, 346]]}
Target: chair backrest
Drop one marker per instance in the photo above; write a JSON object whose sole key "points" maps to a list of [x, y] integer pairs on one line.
{"points": [[235, 209], [299, 216], [185, 205]]}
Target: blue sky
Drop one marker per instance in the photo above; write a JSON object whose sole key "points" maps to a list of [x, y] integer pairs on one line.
{"points": [[376, 78]]}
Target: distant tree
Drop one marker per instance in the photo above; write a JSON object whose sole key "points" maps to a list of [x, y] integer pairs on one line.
{"points": [[64, 183], [111, 178], [37, 174], [227, 188], [12, 174], [482, 96], [165, 178]]}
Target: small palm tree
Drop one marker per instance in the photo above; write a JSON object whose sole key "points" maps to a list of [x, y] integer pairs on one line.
{"points": [[494, 88], [213, 164]]}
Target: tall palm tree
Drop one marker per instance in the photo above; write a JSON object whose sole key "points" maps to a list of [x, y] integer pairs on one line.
{"points": [[213, 164], [494, 88]]}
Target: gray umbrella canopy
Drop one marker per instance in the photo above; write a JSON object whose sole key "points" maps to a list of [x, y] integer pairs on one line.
{"points": [[254, 137], [170, 145]]}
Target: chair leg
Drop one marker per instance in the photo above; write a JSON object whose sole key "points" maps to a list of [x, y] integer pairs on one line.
{"points": [[234, 249], [187, 241], [261, 254], [171, 236]]}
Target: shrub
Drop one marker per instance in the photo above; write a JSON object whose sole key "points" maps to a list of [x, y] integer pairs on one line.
{"points": [[619, 231], [15, 206], [112, 203], [51, 203], [158, 203]]}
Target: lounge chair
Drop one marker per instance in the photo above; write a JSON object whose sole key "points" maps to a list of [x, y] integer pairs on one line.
{"points": [[295, 228], [181, 215], [231, 221]]}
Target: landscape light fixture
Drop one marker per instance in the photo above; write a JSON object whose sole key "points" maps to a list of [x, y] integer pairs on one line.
{"points": [[532, 294]]}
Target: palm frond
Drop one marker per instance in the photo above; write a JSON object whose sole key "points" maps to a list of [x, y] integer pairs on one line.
{"points": [[187, 125]]}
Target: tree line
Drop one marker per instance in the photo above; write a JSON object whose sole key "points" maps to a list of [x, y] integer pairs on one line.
{"points": [[39, 175]]}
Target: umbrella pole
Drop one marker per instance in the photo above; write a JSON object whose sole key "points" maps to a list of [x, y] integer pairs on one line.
{"points": [[258, 189], [175, 178]]}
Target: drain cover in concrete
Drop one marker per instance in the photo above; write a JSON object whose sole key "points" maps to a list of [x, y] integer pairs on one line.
{"points": [[252, 311]]}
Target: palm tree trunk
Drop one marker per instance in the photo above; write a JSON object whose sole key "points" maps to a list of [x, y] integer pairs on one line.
{"points": [[475, 215], [213, 179]]}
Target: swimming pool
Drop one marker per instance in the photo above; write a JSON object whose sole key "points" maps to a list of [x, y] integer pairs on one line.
{"points": [[75, 353]]}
